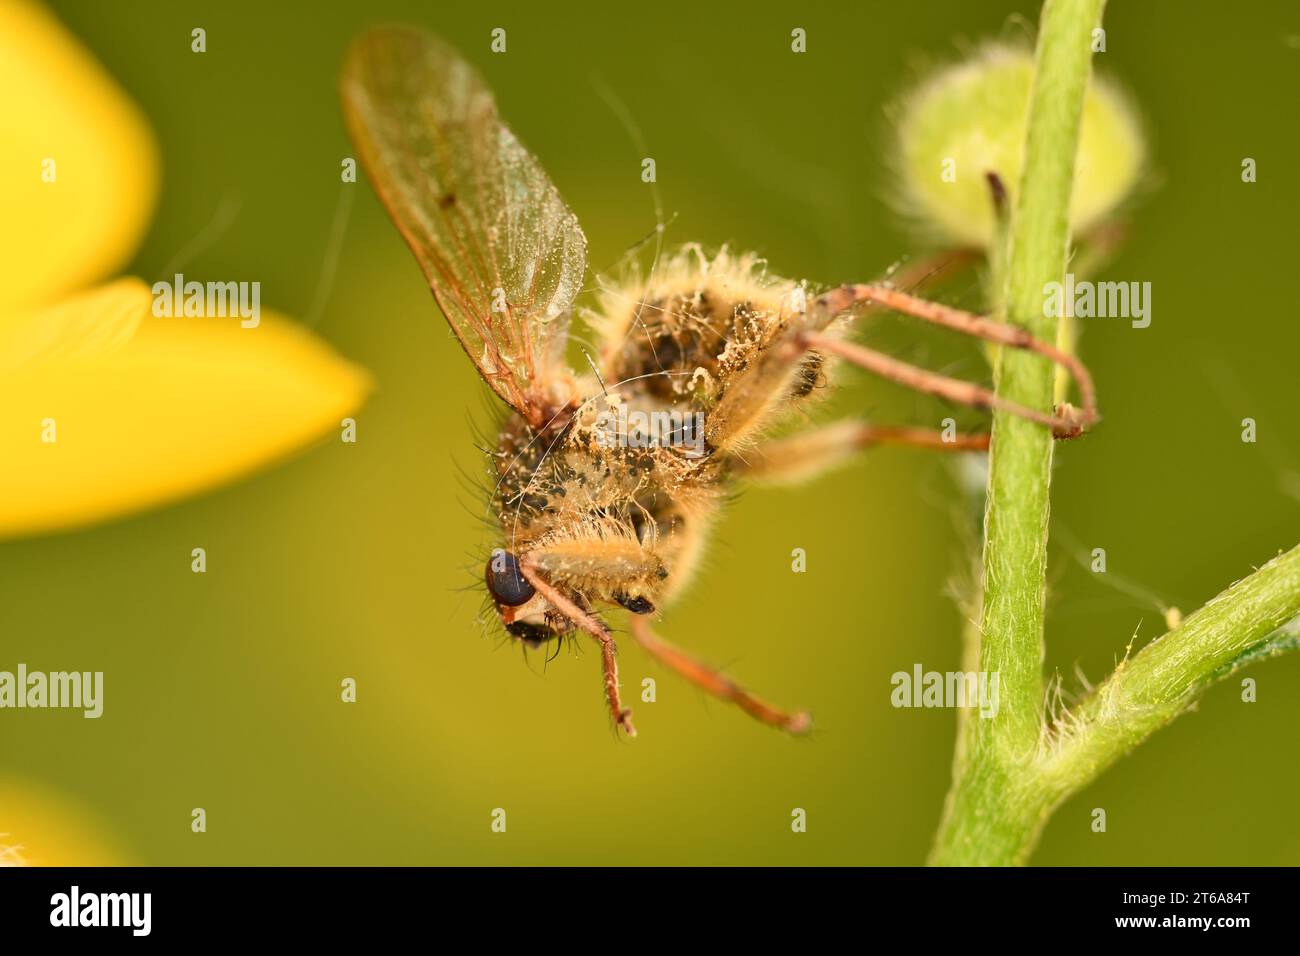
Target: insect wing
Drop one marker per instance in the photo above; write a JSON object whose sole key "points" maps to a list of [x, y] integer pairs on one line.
{"points": [[503, 254]]}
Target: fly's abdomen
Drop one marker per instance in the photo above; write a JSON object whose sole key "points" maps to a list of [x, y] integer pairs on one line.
{"points": [[688, 333]]}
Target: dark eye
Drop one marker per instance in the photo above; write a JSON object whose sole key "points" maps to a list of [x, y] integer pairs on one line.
{"points": [[505, 582]]}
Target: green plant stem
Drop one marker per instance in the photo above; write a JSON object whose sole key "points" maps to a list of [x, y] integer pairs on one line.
{"points": [[1011, 771], [1255, 618], [1153, 687], [979, 826]]}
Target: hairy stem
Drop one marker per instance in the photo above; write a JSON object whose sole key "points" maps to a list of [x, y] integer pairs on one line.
{"points": [[1011, 771], [980, 825], [1241, 625]]}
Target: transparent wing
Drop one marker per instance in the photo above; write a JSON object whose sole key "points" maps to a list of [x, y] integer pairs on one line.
{"points": [[504, 255]]}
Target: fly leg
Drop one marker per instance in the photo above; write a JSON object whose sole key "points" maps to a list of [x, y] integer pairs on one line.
{"points": [[701, 675], [597, 629], [1065, 422], [800, 457]]}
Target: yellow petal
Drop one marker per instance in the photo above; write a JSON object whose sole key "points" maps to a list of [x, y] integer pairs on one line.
{"points": [[39, 827], [187, 404], [90, 323], [64, 117]]}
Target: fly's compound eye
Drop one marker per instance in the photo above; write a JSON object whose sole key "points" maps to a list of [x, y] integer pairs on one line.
{"points": [[505, 582]]}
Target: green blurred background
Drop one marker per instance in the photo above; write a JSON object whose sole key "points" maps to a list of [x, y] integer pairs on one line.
{"points": [[222, 690]]}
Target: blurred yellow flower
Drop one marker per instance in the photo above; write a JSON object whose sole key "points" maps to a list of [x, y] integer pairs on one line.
{"points": [[39, 827], [105, 409]]}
